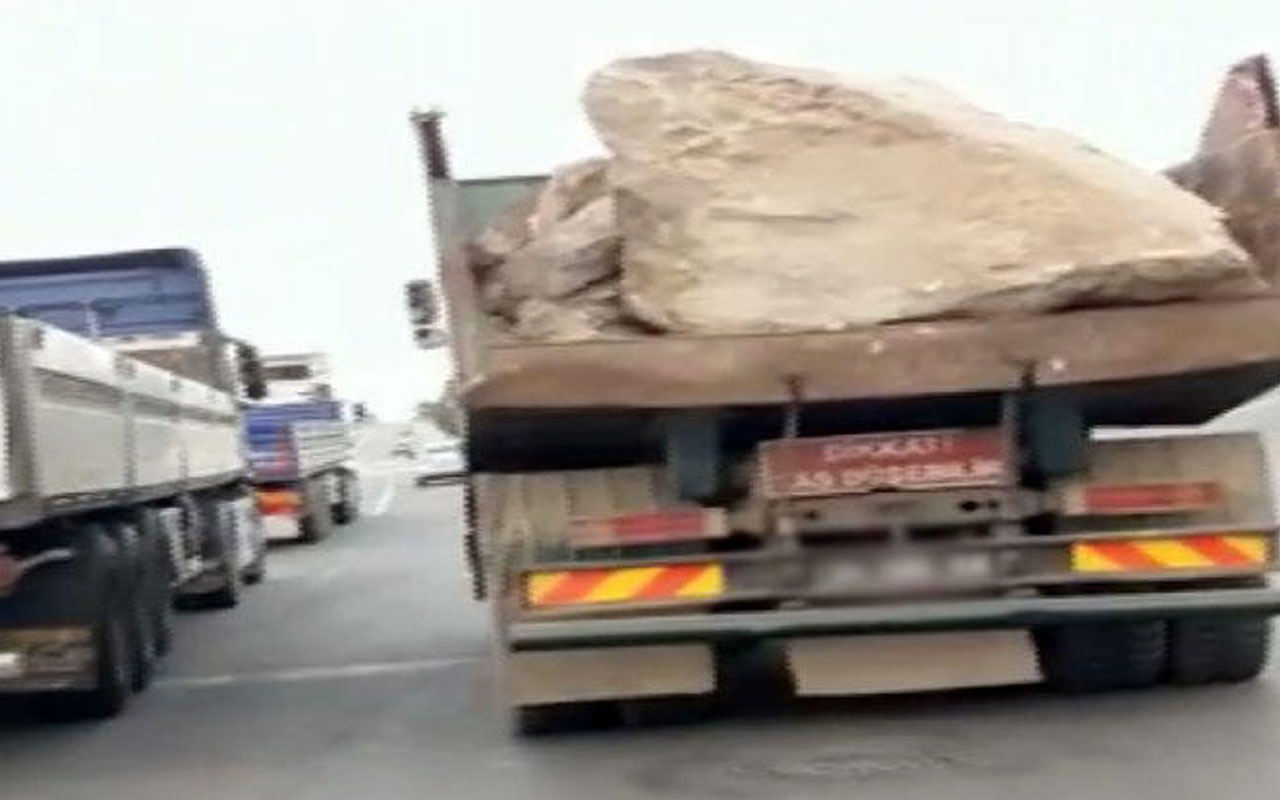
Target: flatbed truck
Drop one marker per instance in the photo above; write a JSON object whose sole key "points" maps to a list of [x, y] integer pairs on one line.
{"points": [[301, 468]]}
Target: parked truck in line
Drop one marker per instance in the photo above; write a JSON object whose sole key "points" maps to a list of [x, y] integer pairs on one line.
{"points": [[905, 507], [300, 456], [123, 486], [297, 376]]}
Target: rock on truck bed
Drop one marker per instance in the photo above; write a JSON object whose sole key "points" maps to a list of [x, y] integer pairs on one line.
{"points": [[1208, 346], [745, 197]]}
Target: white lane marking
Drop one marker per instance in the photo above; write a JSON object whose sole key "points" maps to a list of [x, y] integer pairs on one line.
{"points": [[383, 502], [307, 674]]}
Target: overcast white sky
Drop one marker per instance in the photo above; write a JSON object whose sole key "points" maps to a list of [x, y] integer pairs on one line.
{"points": [[272, 136]]}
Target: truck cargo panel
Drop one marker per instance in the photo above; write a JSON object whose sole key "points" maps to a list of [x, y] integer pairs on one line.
{"points": [[1175, 363], [87, 427]]}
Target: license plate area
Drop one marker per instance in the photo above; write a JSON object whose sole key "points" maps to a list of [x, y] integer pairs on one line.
{"points": [[908, 571], [858, 464]]}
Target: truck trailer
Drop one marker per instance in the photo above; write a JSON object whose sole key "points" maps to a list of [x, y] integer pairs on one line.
{"points": [[122, 488], [123, 484], [903, 507], [300, 456]]}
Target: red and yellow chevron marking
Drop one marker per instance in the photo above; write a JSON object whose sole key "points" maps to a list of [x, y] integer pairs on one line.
{"points": [[1182, 552], [623, 584]]}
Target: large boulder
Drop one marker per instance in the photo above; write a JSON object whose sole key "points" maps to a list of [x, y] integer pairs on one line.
{"points": [[1243, 179], [754, 197], [570, 254], [548, 248], [569, 188]]}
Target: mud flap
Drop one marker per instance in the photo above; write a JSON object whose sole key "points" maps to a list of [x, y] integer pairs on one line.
{"points": [[880, 664], [565, 676]]}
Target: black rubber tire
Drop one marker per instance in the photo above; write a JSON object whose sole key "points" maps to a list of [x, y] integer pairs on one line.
{"points": [[347, 510], [111, 638], [565, 718], [136, 588], [214, 514], [156, 551], [471, 546], [317, 525], [1093, 657], [256, 572], [666, 711], [1211, 649]]}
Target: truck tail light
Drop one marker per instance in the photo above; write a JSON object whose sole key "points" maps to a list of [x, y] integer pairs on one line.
{"points": [[1142, 498], [278, 501]]}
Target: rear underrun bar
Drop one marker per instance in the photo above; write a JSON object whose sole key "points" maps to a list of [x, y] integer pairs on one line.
{"points": [[1008, 612]]}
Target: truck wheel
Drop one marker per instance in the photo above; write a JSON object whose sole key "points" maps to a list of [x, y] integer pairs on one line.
{"points": [[155, 549], [1090, 657], [1218, 648], [564, 717], [347, 509], [111, 637], [227, 595], [666, 711], [318, 522], [257, 569], [255, 572], [471, 546], [136, 593]]}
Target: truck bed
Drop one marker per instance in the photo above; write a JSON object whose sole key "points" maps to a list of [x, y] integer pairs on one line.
{"points": [[1177, 363], [1171, 363]]}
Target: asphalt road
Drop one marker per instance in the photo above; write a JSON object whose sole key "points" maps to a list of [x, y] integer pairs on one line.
{"points": [[357, 671]]}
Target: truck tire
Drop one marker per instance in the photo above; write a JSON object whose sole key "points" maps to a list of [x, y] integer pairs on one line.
{"points": [[648, 712], [257, 569], [1091, 657], [347, 509], [1225, 648], [136, 591], [156, 551], [471, 545], [214, 516], [110, 632], [317, 524], [565, 717]]}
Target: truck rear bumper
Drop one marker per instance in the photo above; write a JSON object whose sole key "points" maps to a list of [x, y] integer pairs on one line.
{"points": [[984, 614]]}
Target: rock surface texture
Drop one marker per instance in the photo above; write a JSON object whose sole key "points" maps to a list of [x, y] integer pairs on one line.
{"points": [[753, 197], [1243, 179]]}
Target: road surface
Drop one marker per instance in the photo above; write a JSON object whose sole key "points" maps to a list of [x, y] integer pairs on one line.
{"points": [[357, 671]]}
